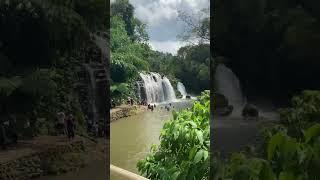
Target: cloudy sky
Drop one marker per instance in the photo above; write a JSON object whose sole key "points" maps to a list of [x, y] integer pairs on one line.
{"points": [[161, 16]]}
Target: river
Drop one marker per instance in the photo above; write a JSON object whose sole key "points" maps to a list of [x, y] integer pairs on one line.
{"points": [[132, 137]]}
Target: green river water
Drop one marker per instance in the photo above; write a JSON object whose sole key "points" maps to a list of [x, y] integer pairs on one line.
{"points": [[132, 137]]}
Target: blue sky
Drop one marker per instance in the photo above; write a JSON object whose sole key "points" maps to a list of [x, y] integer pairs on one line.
{"points": [[161, 16]]}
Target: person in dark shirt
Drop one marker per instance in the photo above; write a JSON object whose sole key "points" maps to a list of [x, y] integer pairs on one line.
{"points": [[3, 139], [70, 126]]}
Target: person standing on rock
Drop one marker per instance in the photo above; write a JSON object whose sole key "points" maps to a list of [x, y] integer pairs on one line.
{"points": [[70, 127], [131, 101], [3, 137], [96, 129]]}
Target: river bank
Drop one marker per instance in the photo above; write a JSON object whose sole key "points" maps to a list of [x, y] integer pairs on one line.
{"points": [[125, 111], [45, 157]]}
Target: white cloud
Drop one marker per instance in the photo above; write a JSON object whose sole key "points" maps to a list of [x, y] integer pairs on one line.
{"points": [[167, 46], [161, 17], [154, 12]]}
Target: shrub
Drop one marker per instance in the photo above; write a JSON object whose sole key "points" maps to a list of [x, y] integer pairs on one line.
{"points": [[184, 147]]}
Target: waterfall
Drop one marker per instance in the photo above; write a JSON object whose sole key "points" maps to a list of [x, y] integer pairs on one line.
{"points": [[93, 69], [103, 46], [138, 90], [227, 83], [93, 93], [157, 88], [182, 89]]}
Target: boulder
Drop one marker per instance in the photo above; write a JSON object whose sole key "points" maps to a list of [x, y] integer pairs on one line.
{"points": [[220, 101], [250, 111], [221, 105], [226, 111], [188, 97]]}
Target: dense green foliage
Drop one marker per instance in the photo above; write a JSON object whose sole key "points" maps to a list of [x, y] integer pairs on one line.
{"points": [[292, 148], [39, 46], [272, 46], [305, 112], [129, 50], [184, 147]]}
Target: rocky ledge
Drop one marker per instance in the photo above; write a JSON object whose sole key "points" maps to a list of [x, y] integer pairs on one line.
{"points": [[124, 111]]}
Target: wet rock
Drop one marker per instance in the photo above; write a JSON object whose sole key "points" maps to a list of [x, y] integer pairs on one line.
{"points": [[226, 111], [250, 111]]}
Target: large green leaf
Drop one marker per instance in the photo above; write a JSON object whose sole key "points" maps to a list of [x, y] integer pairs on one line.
{"points": [[200, 136], [312, 132], [199, 155], [275, 142]]}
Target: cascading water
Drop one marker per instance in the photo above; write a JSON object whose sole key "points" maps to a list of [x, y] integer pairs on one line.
{"points": [[157, 88], [138, 90], [227, 83], [93, 93], [182, 89], [91, 68], [103, 46]]}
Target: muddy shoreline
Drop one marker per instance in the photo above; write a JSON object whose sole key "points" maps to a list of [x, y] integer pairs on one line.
{"points": [[125, 111]]}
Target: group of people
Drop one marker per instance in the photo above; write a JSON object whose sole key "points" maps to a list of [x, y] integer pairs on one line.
{"points": [[151, 107], [143, 103], [8, 133], [168, 107], [130, 101], [66, 125]]}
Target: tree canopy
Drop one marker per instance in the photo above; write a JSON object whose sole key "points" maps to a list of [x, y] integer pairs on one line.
{"points": [[270, 45]]}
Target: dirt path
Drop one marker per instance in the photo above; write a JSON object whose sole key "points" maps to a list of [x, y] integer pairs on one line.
{"points": [[95, 157], [97, 167]]}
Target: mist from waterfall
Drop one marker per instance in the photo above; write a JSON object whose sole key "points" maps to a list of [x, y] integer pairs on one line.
{"points": [[157, 88], [182, 89], [102, 43], [228, 84]]}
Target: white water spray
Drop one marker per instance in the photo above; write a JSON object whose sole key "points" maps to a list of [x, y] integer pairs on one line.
{"points": [[157, 88], [227, 83], [181, 88]]}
